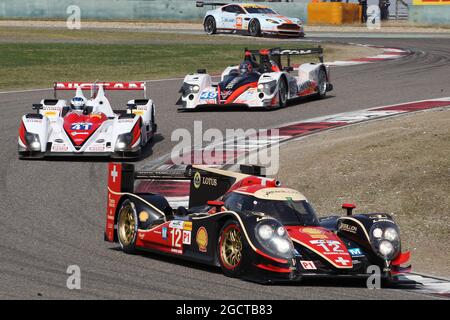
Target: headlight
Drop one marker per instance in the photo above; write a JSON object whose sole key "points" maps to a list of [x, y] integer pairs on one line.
{"points": [[124, 141], [282, 245], [195, 89], [268, 88], [386, 248], [272, 236], [33, 141], [391, 234], [189, 88], [385, 239], [265, 231], [272, 21], [281, 231], [377, 232]]}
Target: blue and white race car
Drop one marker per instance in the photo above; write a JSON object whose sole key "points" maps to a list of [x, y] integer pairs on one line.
{"points": [[249, 18]]}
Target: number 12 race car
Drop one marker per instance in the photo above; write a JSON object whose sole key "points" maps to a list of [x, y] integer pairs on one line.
{"points": [[249, 18], [263, 84], [88, 127], [248, 225]]}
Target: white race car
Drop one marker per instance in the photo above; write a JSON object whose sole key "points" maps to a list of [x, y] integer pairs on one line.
{"points": [[263, 84], [249, 18], [88, 127]]}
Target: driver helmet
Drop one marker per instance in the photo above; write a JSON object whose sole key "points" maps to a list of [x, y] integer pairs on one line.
{"points": [[78, 103], [245, 67]]}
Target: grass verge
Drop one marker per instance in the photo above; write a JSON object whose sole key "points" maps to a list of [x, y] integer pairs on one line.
{"points": [[36, 57]]}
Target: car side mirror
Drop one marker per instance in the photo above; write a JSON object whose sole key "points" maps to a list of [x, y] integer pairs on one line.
{"points": [[349, 207]]}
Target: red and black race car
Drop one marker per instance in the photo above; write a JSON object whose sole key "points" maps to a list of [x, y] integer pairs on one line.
{"points": [[248, 225]]}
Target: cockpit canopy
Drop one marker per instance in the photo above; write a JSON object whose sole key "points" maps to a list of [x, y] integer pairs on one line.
{"points": [[288, 206]]}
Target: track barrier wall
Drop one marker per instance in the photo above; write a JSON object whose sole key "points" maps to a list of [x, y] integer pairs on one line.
{"points": [[125, 9], [334, 13], [432, 12]]}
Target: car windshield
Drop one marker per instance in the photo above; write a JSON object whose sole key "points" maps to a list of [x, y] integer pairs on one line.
{"points": [[288, 212], [260, 10]]}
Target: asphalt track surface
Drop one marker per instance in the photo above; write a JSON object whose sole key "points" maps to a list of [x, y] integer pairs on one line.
{"points": [[53, 212]]}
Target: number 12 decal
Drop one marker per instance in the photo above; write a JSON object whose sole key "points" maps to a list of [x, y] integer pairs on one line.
{"points": [[176, 237]]}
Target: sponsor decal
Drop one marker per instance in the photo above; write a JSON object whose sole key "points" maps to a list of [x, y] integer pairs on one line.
{"points": [[308, 265], [187, 226], [143, 216], [209, 181], [74, 134], [186, 237], [164, 233], [96, 148], [111, 201], [314, 233], [225, 94], [59, 147], [197, 180], [348, 228], [239, 23], [355, 252], [202, 239], [176, 224], [176, 251]]}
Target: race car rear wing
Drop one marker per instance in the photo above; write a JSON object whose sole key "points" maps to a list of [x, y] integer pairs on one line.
{"points": [[277, 53], [205, 183], [110, 86], [201, 4]]}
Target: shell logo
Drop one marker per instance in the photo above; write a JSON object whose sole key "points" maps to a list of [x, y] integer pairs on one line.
{"points": [[202, 239], [314, 233]]}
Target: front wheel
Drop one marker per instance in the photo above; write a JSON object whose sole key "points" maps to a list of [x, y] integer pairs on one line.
{"points": [[230, 249], [322, 84], [127, 226], [282, 94], [210, 25], [254, 28]]}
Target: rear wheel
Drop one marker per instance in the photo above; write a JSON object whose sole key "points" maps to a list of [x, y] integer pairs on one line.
{"points": [[210, 25], [127, 226], [230, 249], [254, 28]]}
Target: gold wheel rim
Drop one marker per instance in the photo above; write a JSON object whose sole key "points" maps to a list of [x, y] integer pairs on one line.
{"points": [[231, 250], [127, 225]]}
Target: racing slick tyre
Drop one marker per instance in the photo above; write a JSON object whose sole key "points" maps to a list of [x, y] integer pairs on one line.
{"points": [[254, 28], [322, 84], [210, 25], [230, 249], [282, 94], [127, 226]]}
